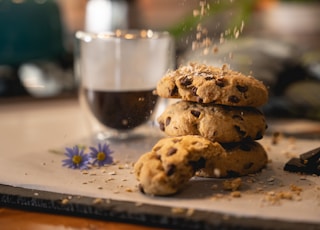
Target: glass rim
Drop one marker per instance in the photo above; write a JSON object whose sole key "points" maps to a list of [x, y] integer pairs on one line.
{"points": [[132, 34]]}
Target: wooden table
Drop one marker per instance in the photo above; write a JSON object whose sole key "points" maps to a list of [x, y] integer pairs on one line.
{"points": [[27, 220]]}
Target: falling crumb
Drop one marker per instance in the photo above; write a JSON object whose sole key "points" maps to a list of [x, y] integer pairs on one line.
{"points": [[215, 49], [85, 172], [196, 13], [112, 173], [125, 122]]}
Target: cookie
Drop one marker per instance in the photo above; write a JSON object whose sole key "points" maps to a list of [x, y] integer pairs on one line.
{"points": [[215, 122], [207, 84], [172, 162], [238, 159]]}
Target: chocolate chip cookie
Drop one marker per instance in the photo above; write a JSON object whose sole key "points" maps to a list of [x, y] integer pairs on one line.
{"points": [[172, 162], [238, 159], [215, 122], [207, 84]]}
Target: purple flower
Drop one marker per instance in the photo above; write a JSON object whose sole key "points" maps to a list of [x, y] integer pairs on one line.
{"points": [[76, 158], [101, 155]]}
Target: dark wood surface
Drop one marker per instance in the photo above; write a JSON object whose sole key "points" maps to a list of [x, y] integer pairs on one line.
{"points": [[27, 220]]}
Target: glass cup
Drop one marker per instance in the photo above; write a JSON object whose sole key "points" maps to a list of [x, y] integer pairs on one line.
{"points": [[118, 72]]}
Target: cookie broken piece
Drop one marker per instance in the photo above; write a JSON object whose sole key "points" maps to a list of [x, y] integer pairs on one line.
{"points": [[307, 163], [238, 159], [172, 162], [207, 84]]}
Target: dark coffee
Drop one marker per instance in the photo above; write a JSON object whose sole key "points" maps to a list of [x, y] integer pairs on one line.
{"points": [[121, 110]]}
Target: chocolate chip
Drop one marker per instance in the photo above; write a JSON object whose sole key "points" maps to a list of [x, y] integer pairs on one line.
{"points": [[220, 82], [242, 89], [237, 117], [195, 113], [171, 151], [185, 81], [231, 173], [234, 99], [199, 164], [247, 165], [161, 126], [171, 170], [141, 189], [199, 100], [168, 120], [174, 91], [194, 91], [208, 78], [245, 147], [259, 135], [239, 131]]}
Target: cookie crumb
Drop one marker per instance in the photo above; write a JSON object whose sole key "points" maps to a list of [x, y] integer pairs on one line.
{"points": [[128, 190], [138, 204], [190, 212], [235, 194], [64, 201], [276, 136], [177, 210], [232, 185], [97, 201]]}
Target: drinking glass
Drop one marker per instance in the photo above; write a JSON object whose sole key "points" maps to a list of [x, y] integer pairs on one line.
{"points": [[118, 72]]}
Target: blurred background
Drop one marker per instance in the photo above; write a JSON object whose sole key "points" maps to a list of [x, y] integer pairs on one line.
{"points": [[277, 41]]}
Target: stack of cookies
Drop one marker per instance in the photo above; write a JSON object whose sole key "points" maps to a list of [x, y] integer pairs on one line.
{"points": [[212, 128]]}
